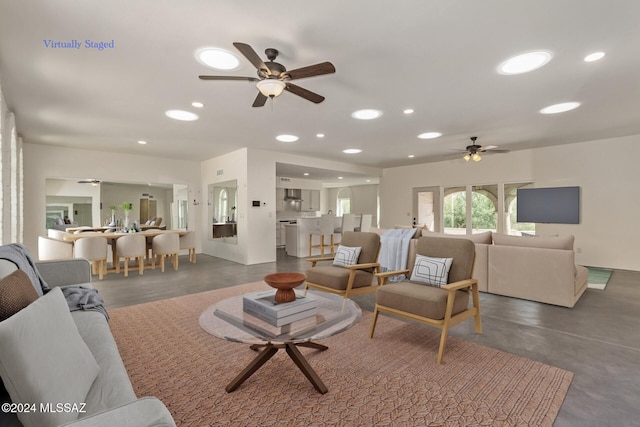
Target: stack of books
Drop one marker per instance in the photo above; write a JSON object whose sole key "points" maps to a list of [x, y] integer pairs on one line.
{"points": [[263, 306]]}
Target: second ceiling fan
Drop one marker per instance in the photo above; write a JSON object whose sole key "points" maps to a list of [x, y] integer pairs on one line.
{"points": [[273, 78]]}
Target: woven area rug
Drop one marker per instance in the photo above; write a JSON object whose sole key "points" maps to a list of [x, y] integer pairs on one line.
{"points": [[390, 380]]}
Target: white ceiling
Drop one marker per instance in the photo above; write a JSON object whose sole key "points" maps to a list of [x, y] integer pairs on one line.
{"points": [[436, 57]]}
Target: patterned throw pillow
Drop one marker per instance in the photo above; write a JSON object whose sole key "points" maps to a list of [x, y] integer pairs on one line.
{"points": [[346, 256], [431, 271], [16, 292]]}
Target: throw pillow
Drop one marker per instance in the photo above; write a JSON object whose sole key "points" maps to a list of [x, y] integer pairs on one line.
{"points": [[346, 255], [44, 359], [16, 292], [431, 271]]}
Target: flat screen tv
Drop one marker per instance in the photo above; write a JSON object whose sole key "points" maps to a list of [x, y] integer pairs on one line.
{"points": [[558, 205]]}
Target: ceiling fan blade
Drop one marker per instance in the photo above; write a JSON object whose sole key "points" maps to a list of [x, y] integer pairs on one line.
{"points": [[304, 93], [252, 56], [311, 71], [249, 79], [492, 149], [260, 100]]}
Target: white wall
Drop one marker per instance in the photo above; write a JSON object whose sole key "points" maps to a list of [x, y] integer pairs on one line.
{"points": [[43, 161], [221, 169], [364, 200], [606, 171]]}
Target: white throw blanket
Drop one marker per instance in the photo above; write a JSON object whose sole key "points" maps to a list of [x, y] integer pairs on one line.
{"points": [[394, 250]]}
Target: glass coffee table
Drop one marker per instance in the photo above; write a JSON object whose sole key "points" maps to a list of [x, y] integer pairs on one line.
{"points": [[226, 319]]}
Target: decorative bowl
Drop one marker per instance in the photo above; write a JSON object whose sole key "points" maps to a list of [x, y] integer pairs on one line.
{"points": [[284, 283]]}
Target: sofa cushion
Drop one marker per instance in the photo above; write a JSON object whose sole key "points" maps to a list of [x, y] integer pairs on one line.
{"points": [[16, 292], [482, 237], [44, 359], [560, 242], [346, 255], [431, 271]]}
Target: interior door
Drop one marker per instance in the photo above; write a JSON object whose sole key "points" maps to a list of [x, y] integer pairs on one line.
{"points": [[426, 207]]}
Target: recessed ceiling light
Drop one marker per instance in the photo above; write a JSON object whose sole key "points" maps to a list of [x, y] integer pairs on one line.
{"points": [[219, 59], [368, 180], [287, 138], [141, 142], [560, 108], [306, 174], [429, 135], [524, 63], [339, 177], [319, 135], [594, 56], [352, 151], [185, 116], [411, 156], [367, 114], [408, 111], [197, 104]]}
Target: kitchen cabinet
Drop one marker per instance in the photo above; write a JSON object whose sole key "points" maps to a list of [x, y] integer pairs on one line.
{"points": [[310, 200], [279, 199]]}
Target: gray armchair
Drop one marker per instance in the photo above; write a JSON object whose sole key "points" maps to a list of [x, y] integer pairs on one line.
{"points": [[352, 279], [441, 306]]}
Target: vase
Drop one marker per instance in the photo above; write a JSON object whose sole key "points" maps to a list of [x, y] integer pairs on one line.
{"points": [[113, 218], [126, 220]]}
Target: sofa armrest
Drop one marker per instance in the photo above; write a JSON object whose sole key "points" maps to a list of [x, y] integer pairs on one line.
{"points": [[144, 412], [65, 272]]}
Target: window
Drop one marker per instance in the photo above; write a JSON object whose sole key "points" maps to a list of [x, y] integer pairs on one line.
{"points": [[511, 226], [455, 210], [343, 202], [223, 205], [484, 208]]}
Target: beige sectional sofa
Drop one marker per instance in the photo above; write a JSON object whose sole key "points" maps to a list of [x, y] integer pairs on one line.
{"points": [[539, 269]]}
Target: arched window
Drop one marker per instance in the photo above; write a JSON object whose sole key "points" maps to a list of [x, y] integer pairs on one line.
{"points": [[343, 202], [223, 205]]}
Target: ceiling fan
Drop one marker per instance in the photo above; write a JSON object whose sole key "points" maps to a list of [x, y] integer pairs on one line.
{"points": [[474, 150], [91, 181], [273, 78]]}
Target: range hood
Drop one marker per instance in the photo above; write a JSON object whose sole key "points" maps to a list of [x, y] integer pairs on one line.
{"points": [[294, 194]]}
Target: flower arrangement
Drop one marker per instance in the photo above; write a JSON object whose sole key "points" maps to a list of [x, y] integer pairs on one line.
{"points": [[126, 207]]}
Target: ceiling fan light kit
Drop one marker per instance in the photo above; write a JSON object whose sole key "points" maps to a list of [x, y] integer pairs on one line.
{"points": [[271, 87]]}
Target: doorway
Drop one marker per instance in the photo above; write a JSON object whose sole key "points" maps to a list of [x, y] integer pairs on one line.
{"points": [[426, 207]]}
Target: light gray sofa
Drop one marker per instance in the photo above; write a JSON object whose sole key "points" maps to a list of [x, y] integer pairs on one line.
{"points": [[110, 400]]}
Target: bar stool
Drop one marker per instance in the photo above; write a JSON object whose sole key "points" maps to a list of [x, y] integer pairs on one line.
{"points": [[348, 224], [365, 222], [324, 229]]}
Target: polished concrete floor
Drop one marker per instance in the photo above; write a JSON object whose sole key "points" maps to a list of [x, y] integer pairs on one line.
{"points": [[598, 340]]}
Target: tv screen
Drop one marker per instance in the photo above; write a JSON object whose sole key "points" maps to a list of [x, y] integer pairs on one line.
{"points": [[559, 205]]}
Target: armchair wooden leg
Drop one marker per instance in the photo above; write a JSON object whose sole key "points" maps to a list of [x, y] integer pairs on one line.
{"points": [[161, 262], [443, 344], [116, 261], [476, 304], [141, 265], [175, 262], [374, 321], [127, 260]]}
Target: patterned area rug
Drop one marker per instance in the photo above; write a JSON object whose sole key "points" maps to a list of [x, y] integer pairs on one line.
{"points": [[389, 380], [598, 277]]}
